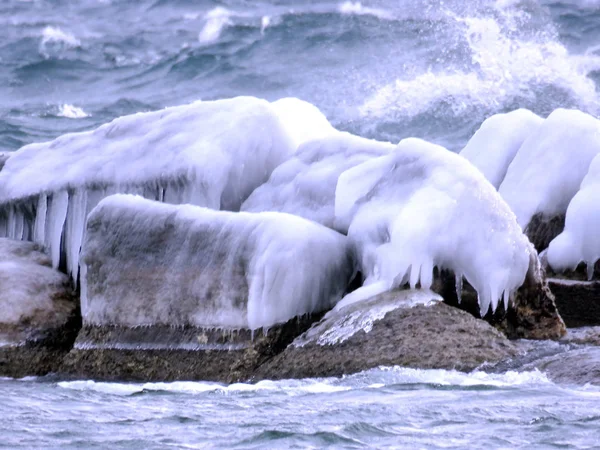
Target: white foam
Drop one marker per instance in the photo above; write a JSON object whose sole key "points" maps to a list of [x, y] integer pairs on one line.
{"points": [[216, 20], [357, 8], [505, 64], [404, 375], [71, 112]]}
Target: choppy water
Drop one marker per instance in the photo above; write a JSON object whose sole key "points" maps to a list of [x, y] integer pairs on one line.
{"points": [[382, 68], [400, 408], [386, 69]]}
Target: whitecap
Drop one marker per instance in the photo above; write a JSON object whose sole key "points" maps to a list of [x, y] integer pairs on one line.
{"points": [[54, 34], [357, 8], [504, 65], [71, 112], [216, 20]]}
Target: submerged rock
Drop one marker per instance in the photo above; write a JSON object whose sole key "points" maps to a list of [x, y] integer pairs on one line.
{"points": [[39, 317], [405, 328]]}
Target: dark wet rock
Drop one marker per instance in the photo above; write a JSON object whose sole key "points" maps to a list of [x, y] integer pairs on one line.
{"points": [[577, 301], [541, 230], [532, 313], [160, 353], [3, 158], [39, 315], [390, 329]]}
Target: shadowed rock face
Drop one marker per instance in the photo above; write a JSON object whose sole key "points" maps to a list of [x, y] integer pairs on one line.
{"points": [[39, 315], [532, 313], [542, 230], [388, 330]]}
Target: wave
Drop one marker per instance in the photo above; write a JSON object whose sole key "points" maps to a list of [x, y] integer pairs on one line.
{"points": [[385, 376], [504, 65], [71, 112], [56, 37]]}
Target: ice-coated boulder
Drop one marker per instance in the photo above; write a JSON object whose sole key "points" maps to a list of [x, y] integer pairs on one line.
{"points": [[580, 240], [422, 207], [547, 172], [147, 263], [493, 147], [305, 184], [211, 154], [38, 311]]}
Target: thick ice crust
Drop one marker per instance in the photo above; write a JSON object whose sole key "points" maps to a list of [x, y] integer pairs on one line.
{"points": [[305, 184], [549, 167], [493, 147], [147, 263], [422, 206]]}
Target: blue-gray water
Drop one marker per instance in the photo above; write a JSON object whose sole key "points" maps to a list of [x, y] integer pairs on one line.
{"points": [[399, 408], [386, 69]]}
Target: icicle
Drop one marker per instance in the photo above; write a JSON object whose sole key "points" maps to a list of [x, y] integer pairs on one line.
{"points": [[12, 223], [484, 301], [75, 228], [415, 271], [18, 225], [506, 299], [590, 270], [58, 214], [459, 286], [39, 229]]}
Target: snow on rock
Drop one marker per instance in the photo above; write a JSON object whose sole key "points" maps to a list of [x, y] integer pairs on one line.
{"points": [[211, 154], [32, 294], [305, 184], [493, 147], [422, 207], [580, 240], [147, 263], [549, 167]]}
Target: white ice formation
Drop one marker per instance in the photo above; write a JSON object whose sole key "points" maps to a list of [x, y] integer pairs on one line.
{"points": [[211, 154], [422, 207], [31, 292], [305, 184], [147, 263], [493, 147], [580, 240], [548, 169]]}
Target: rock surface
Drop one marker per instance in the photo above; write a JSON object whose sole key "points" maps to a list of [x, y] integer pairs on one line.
{"points": [[390, 329], [39, 316], [578, 301], [542, 230], [169, 354]]}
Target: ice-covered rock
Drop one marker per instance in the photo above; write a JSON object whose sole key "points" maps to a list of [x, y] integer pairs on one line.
{"points": [[493, 147], [305, 184], [211, 154], [303, 121], [580, 240], [32, 294], [548, 169], [147, 263], [422, 207]]}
